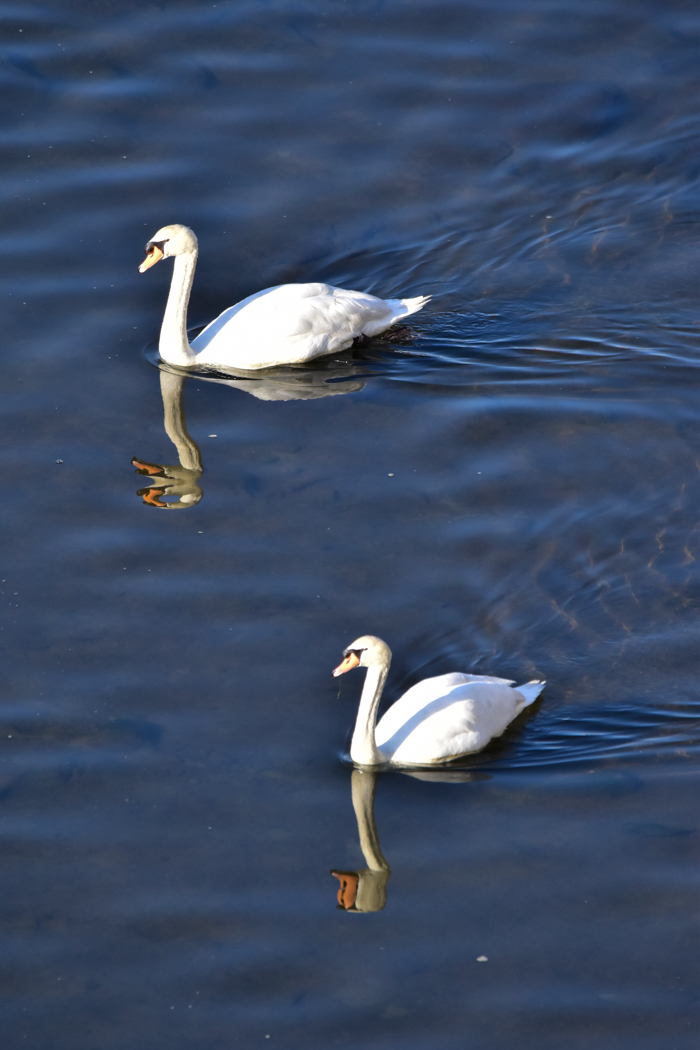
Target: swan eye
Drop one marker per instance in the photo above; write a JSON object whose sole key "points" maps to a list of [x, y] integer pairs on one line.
{"points": [[160, 245]]}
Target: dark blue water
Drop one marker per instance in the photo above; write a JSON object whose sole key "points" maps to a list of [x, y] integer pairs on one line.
{"points": [[512, 487]]}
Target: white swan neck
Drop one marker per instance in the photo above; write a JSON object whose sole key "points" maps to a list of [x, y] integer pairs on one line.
{"points": [[363, 749], [174, 346]]}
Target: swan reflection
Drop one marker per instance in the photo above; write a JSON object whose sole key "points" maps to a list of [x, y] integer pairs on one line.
{"points": [[174, 486], [177, 481], [364, 889]]}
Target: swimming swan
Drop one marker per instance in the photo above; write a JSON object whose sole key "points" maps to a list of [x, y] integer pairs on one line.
{"points": [[437, 720], [287, 324]]}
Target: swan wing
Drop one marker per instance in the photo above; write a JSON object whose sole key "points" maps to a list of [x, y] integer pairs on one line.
{"points": [[214, 327], [461, 720], [277, 307], [427, 692], [416, 698], [487, 678], [291, 323]]}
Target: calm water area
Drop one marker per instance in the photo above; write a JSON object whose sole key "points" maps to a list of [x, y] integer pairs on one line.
{"points": [[511, 487]]}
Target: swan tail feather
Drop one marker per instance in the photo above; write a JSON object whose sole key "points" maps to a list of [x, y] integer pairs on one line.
{"points": [[531, 690], [412, 306], [400, 308]]}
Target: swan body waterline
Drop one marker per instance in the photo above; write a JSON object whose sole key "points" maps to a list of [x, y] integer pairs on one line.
{"points": [[286, 324], [436, 720]]}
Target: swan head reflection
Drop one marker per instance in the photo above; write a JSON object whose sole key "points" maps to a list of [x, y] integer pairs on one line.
{"points": [[176, 482], [363, 890]]}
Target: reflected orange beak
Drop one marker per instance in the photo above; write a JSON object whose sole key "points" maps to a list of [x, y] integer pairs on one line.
{"points": [[150, 496], [142, 467], [347, 891], [350, 661], [154, 255]]}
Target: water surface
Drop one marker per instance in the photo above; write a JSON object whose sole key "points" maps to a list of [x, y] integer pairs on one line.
{"points": [[511, 488]]}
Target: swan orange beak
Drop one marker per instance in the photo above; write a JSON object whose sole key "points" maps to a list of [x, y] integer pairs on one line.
{"points": [[347, 891], [350, 661], [154, 255]]}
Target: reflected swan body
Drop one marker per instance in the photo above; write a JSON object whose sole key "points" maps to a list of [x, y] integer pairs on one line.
{"points": [[176, 486], [286, 324], [436, 720]]}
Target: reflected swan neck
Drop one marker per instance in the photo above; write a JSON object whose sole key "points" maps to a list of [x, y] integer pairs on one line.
{"points": [[172, 387], [364, 786]]}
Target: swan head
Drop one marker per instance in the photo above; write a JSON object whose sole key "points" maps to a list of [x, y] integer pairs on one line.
{"points": [[367, 651], [169, 241]]}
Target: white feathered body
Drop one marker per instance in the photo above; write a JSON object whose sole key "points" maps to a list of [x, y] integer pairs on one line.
{"points": [[293, 323], [451, 715]]}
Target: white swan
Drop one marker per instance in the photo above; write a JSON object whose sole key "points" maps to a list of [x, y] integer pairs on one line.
{"points": [[287, 324], [437, 720]]}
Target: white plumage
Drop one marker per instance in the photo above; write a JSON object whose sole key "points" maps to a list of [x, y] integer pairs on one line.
{"points": [[436, 720], [286, 324], [292, 323]]}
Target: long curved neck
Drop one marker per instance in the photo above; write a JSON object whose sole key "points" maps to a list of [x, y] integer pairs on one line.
{"points": [[363, 749], [171, 387], [364, 786], [173, 346]]}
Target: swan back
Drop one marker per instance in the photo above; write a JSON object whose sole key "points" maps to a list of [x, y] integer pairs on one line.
{"points": [[448, 716], [307, 319]]}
